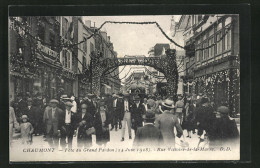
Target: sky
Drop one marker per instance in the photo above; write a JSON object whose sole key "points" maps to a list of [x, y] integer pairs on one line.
{"points": [[134, 39]]}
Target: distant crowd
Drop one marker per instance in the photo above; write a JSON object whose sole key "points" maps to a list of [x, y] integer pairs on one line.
{"points": [[154, 120]]}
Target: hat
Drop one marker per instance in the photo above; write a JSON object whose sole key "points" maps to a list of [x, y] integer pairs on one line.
{"points": [[24, 117], [223, 110], [168, 103], [137, 98], [149, 115], [72, 98], [54, 101], [151, 102], [64, 96], [114, 95], [204, 100], [90, 95], [179, 95], [84, 104], [126, 95], [29, 99], [68, 104], [120, 95]]}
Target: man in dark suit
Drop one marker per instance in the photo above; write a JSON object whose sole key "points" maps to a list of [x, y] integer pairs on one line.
{"points": [[114, 115], [85, 122], [67, 125], [20, 106], [137, 110], [51, 120], [148, 135], [223, 131]]}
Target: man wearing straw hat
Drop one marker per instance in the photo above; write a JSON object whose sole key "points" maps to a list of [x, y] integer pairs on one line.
{"points": [[67, 125], [166, 123]]}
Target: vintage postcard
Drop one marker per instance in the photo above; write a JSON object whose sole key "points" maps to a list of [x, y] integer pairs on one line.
{"points": [[124, 88]]}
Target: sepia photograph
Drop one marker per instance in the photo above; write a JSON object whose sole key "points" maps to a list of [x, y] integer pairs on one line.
{"points": [[124, 88]]}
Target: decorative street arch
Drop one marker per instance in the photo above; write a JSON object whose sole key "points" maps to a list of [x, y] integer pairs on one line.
{"points": [[165, 64]]}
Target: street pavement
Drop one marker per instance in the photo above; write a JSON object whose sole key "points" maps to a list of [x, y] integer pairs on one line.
{"points": [[115, 140]]}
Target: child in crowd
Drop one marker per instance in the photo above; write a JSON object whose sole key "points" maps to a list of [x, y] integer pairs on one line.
{"points": [[26, 130]]}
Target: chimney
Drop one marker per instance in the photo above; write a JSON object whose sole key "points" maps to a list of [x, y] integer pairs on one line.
{"points": [[88, 23]]}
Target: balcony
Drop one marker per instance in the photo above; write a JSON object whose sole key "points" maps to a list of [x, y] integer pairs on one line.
{"points": [[46, 50]]}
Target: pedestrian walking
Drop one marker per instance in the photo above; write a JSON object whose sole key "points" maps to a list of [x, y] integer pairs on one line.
{"points": [[223, 131], [101, 124], [75, 106], [51, 120], [137, 111], [26, 129], [179, 108], [189, 119], [85, 127], [126, 117], [67, 125], [204, 114], [166, 122], [115, 116], [20, 106], [148, 135]]}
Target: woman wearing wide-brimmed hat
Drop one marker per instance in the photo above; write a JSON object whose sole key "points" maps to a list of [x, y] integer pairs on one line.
{"points": [[166, 123]]}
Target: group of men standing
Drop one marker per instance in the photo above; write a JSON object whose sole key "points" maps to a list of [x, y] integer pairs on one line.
{"points": [[152, 119]]}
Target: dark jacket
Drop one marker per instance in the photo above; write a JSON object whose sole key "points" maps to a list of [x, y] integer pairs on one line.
{"points": [[20, 107], [137, 112], [223, 132], [148, 136], [204, 115], [102, 132], [82, 128], [120, 108], [61, 124]]}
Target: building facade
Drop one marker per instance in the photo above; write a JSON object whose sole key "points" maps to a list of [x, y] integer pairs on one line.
{"points": [[212, 58], [34, 56]]}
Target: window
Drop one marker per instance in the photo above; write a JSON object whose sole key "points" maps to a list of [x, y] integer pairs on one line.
{"points": [[63, 57], [198, 53], [205, 51], [84, 63], [64, 27], [199, 18], [66, 59], [41, 32], [52, 40], [85, 46], [91, 47], [211, 49], [219, 43], [227, 39]]}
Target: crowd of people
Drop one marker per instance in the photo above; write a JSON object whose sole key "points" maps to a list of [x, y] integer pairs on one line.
{"points": [[154, 119]]}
